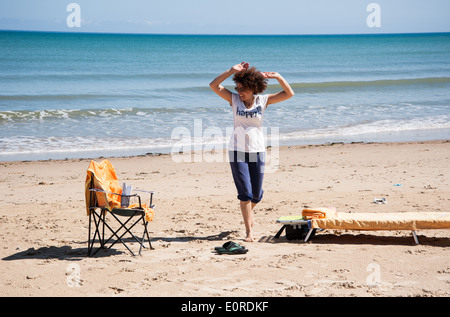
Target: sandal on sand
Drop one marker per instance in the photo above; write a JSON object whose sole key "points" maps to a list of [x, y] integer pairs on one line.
{"points": [[231, 247]]}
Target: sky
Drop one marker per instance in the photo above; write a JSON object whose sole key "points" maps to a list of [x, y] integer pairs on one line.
{"points": [[227, 16]]}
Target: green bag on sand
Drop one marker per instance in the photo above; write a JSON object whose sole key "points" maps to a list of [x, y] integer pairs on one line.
{"points": [[231, 247]]}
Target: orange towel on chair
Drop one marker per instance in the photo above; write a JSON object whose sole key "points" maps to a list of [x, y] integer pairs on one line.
{"points": [[103, 176], [319, 213]]}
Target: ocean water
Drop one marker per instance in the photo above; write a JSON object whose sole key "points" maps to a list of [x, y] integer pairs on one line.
{"points": [[68, 95]]}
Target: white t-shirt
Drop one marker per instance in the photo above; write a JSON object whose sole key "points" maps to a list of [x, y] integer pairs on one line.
{"points": [[248, 134]]}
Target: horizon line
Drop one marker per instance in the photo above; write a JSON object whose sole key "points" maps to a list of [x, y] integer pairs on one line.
{"points": [[223, 34]]}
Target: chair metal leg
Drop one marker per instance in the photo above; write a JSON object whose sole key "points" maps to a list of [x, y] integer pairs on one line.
{"points": [[148, 236], [89, 235], [91, 241], [101, 225], [114, 233], [280, 232], [103, 213], [309, 234], [141, 244], [144, 222], [127, 230], [415, 237], [96, 218]]}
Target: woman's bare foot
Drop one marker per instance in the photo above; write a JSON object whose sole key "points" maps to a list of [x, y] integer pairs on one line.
{"points": [[249, 237]]}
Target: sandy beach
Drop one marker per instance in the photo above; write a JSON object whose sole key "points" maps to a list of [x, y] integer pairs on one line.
{"points": [[44, 227]]}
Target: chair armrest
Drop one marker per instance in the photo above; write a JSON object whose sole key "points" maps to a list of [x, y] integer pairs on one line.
{"points": [[133, 195], [107, 192], [151, 192], [145, 191]]}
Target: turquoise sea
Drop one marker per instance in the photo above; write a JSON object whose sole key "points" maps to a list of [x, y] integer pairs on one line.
{"points": [[73, 95]]}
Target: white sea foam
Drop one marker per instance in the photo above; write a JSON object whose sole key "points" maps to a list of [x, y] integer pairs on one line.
{"points": [[31, 147], [381, 126]]}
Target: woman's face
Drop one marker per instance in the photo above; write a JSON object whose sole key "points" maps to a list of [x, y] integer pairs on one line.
{"points": [[244, 93]]}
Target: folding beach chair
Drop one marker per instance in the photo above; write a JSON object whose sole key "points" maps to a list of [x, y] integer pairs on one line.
{"points": [[104, 197]]}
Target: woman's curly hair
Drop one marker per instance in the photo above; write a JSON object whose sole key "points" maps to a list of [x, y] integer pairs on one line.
{"points": [[251, 79]]}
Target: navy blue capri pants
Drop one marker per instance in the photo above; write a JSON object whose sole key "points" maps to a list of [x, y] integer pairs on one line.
{"points": [[248, 174]]}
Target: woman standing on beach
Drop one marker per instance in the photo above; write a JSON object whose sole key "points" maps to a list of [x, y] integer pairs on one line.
{"points": [[247, 146]]}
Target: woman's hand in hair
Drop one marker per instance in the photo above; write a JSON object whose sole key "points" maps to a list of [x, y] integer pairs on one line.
{"points": [[274, 75], [240, 67]]}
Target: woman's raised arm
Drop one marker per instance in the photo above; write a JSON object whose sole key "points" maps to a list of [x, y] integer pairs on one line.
{"points": [[282, 95], [216, 83]]}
